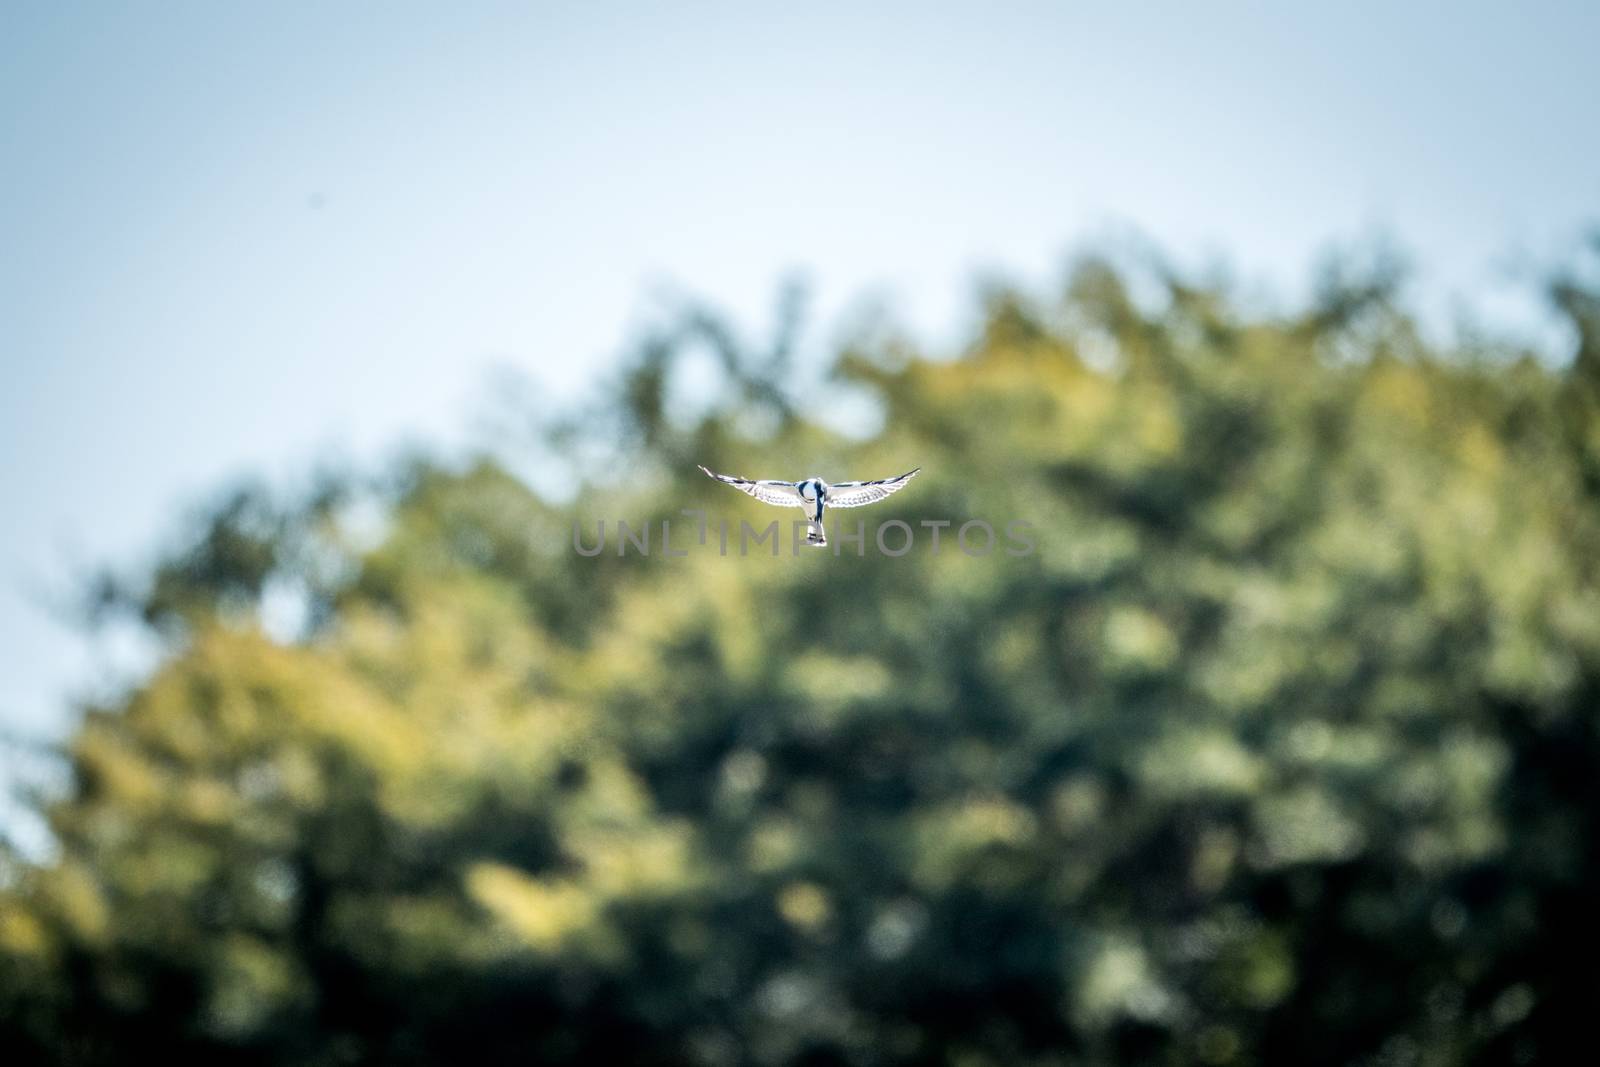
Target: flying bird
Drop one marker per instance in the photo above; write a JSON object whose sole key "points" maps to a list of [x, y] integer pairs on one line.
{"points": [[813, 495]]}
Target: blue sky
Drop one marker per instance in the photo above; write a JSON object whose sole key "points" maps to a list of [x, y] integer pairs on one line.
{"points": [[237, 238]]}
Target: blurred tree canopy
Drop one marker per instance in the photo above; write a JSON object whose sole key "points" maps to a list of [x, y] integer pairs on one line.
{"points": [[1281, 748]]}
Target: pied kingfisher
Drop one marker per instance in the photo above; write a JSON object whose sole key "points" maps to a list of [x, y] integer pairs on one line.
{"points": [[813, 495]]}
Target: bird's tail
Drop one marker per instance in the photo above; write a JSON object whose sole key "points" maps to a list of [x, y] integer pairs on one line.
{"points": [[817, 536]]}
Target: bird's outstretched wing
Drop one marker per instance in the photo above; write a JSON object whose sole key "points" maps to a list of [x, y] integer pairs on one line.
{"points": [[858, 494], [783, 494]]}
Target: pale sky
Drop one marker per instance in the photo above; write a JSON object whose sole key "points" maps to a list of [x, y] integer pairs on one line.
{"points": [[237, 238]]}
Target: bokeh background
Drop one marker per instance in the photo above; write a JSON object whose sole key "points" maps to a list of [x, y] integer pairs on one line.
{"points": [[320, 328]]}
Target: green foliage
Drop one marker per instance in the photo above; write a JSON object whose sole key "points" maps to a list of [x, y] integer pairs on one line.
{"points": [[1280, 748]]}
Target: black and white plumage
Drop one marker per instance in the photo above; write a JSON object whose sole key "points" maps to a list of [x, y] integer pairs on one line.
{"points": [[813, 495]]}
